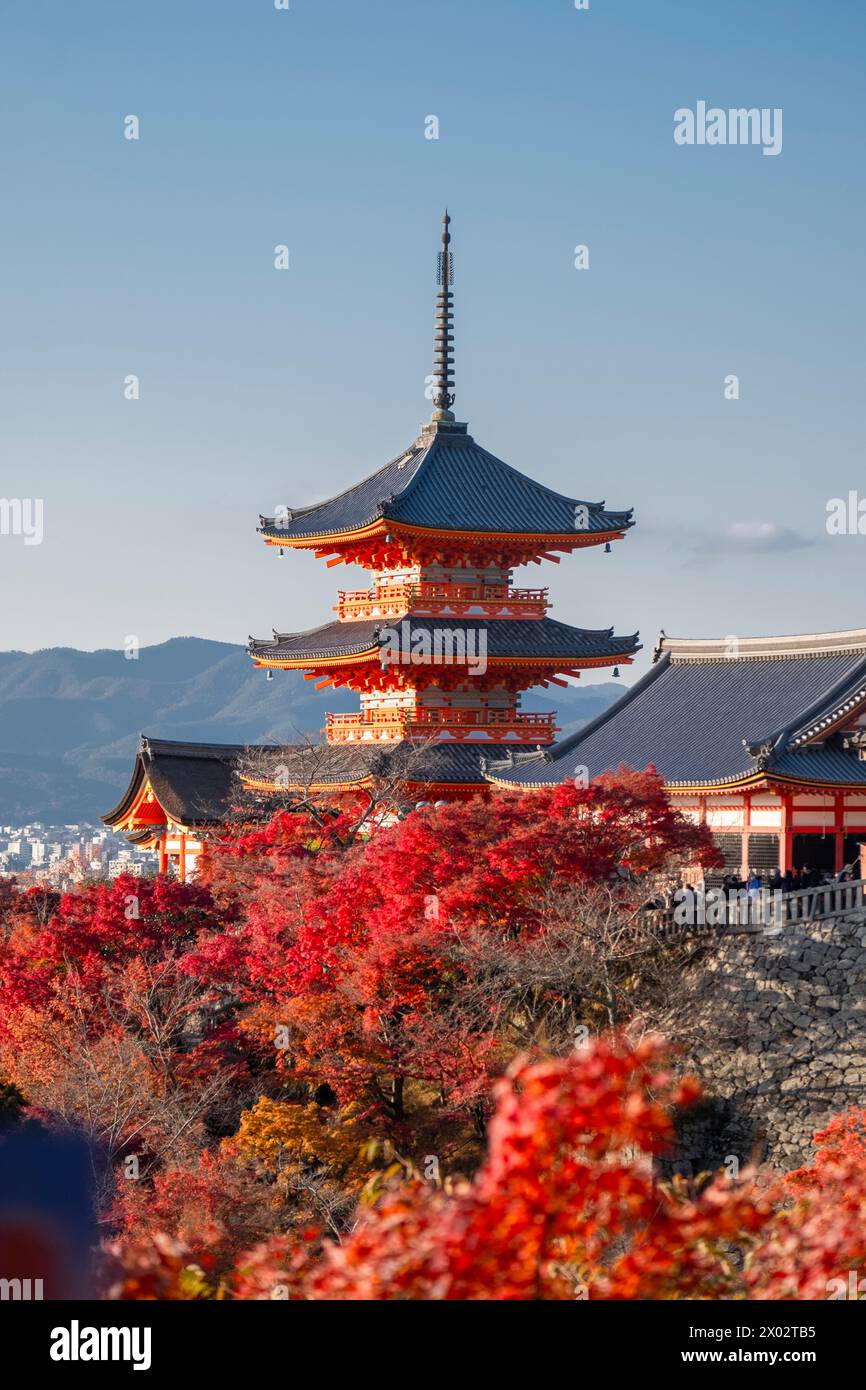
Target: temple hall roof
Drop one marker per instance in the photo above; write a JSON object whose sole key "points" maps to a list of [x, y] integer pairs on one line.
{"points": [[716, 713], [196, 784], [202, 784], [323, 765]]}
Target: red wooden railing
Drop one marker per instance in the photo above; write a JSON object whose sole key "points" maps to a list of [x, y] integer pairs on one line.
{"points": [[397, 599], [460, 723]]}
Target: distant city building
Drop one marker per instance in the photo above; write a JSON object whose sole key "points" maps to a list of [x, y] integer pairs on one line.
{"points": [[119, 866], [61, 856]]}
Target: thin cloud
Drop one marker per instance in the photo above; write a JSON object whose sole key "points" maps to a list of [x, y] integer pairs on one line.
{"points": [[705, 545], [762, 535]]}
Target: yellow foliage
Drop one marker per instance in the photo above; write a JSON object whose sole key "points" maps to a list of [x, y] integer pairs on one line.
{"points": [[279, 1133]]}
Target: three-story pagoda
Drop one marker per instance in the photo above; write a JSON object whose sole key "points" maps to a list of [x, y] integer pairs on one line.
{"points": [[441, 646]]}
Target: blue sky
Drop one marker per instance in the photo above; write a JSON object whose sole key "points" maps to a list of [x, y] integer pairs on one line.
{"points": [[306, 127]]}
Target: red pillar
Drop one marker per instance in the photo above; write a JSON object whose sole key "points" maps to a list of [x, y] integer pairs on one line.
{"points": [[747, 823], [839, 829], [786, 839], [163, 856], [702, 820], [181, 864]]}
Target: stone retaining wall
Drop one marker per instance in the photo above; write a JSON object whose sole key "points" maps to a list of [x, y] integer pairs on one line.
{"points": [[793, 1049]]}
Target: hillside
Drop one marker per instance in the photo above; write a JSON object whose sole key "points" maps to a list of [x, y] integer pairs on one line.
{"points": [[70, 720]]}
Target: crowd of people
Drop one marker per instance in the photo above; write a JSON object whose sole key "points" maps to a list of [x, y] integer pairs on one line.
{"points": [[688, 902], [791, 881]]}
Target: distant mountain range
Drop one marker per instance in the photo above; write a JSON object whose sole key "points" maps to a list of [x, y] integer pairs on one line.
{"points": [[70, 720]]}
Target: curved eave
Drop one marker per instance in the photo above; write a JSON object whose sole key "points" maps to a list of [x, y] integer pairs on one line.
{"points": [[517, 786], [432, 784], [547, 663], [701, 788], [125, 817], [381, 526], [144, 839], [818, 785], [312, 659], [130, 799], [320, 788], [765, 777], [306, 539], [263, 784], [131, 824], [750, 777]]}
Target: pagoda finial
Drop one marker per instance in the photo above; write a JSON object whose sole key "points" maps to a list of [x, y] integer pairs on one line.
{"points": [[443, 338]]}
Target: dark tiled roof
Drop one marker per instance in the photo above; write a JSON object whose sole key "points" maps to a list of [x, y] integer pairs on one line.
{"points": [[139, 837], [195, 783], [294, 766], [441, 762], [326, 764], [334, 639], [446, 481], [828, 763], [701, 717], [544, 638]]}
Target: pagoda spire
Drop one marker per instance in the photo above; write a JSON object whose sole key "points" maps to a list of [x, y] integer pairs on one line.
{"points": [[443, 338]]}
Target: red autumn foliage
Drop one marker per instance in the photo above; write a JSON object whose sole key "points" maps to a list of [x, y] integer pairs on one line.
{"points": [[90, 934], [556, 1195], [145, 1013], [565, 1206], [352, 946], [819, 1235]]}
